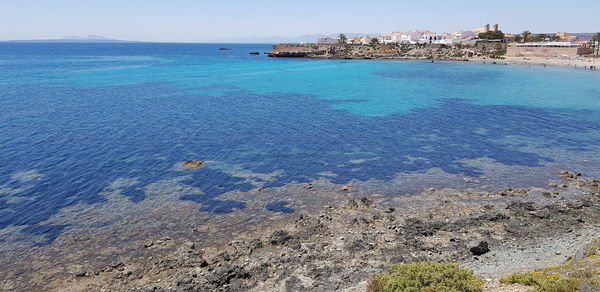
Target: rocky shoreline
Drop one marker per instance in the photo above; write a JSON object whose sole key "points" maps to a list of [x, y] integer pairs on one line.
{"points": [[340, 247], [486, 53], [390, 51]]}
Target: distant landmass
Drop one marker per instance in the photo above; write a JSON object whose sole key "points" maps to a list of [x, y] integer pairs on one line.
{"points": [[77, 39], [308, 38]]}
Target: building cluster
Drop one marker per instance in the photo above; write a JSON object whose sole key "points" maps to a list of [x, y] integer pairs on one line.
{"points": [[459, 37], [416, 37]]}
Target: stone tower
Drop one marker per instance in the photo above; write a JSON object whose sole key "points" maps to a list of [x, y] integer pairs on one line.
{"points": [[495, 27], [487, 28]]}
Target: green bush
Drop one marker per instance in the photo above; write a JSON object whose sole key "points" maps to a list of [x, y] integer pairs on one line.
{"points": [[544, 282], [426, 277], [492, 35], [500, 52]]}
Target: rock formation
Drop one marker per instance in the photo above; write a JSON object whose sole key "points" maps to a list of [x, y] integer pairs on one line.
{"points": [[389, 51]]}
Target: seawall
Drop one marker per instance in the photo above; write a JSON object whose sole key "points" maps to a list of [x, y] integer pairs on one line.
{"points": [[543, 52]]}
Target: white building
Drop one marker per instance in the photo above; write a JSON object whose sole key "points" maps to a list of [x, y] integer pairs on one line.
{"points": [[366, 40], [410, 37], [432, 38], [464, 34], [386, 39]]}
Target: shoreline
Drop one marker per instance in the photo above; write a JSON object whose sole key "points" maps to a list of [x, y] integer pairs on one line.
{"points": [[562, 63], [478, 53], [341, 246], [580, 64]]}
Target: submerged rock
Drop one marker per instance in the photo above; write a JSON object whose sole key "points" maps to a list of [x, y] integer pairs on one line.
{"points": [[193, 164], [569, 175]]}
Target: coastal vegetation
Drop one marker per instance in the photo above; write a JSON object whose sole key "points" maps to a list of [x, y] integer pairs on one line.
{"points": [[596, 43], [543, 282], [593, 249], [525, 36], [545, 37], [342, 39], [499, 53], [426, 277], [492, 35], [581, 274]]}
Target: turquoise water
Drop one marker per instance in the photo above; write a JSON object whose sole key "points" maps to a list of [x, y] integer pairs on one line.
{"points": [[78, 119]]}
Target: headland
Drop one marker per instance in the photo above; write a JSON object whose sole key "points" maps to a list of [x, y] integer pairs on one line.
{"points": [[489, 53]]}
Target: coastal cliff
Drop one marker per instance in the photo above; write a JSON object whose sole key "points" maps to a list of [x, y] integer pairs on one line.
{"points": [[390, 51]]}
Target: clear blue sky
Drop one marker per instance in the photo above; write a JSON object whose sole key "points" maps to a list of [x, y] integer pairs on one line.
{"points": [[203, 20]]}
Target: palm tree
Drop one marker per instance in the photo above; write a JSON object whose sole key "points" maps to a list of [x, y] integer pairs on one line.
{"points": [[596, 43], [342, 38], [526, 35]]}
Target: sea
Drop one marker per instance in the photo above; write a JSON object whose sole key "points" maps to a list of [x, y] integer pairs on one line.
{"points": [[93, 137]]}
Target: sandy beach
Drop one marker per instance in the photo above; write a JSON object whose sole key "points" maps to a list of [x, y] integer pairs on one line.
{"points": [[575, 63]]}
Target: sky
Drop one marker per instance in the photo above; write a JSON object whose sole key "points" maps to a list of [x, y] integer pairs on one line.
{"points": [[210, 21]]}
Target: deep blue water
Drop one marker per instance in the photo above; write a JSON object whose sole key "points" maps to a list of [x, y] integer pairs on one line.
{"points": [[76, 117]]}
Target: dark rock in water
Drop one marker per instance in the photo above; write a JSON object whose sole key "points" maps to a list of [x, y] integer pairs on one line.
{"points": [[569, 175], [224, 49], [479, 248], [193, 164], [254, 53]]}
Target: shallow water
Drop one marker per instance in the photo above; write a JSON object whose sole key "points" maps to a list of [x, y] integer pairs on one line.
{"points": [[89, 131]]}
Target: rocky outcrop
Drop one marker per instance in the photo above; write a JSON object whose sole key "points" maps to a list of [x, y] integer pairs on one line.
{"points": [[342, 246], [193, 164], [389, 51]]}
